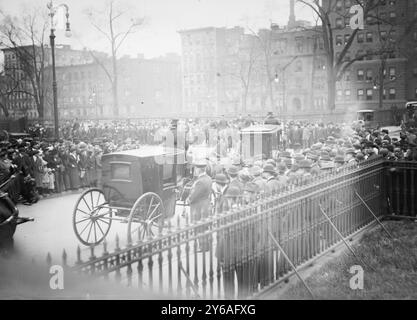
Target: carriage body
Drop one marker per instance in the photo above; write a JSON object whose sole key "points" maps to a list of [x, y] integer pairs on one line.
{"points": [[260, 140], [137, 187], [127, 175]]}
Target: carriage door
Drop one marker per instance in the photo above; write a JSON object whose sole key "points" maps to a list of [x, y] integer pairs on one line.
{"points": [[168, 186]]}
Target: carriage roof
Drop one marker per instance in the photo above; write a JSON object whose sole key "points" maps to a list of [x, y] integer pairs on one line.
{"points": [[148, 151], [365, 111], [263, 129]]}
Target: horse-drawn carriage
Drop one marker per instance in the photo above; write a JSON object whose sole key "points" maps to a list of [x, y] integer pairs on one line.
{"points": [[139, 187]]}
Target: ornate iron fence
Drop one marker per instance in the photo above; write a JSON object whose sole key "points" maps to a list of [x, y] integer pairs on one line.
{"points": [[234, 255]]}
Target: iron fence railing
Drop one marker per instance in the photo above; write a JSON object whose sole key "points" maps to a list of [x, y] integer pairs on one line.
{"points": [[234, 254]]}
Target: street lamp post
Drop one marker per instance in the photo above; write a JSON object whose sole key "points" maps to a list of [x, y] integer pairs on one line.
{"points": [[52, 12]]}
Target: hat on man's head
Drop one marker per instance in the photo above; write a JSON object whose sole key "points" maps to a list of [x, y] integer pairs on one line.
{"points": [[383, 152], [251, 187], [288, 162], [351, 151], [312, 156], [233, 171], [272, 162], [233, 192], [325, 157], [360, 156], [282, 167], [220, 178], [200, 163], [285, 154], [305, 164], [256, 171], [339, 159], [269, 168], [243, 175], [298, 157]]}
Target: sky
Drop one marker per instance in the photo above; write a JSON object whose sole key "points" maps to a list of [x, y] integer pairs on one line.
{"points": [[162, 20]]}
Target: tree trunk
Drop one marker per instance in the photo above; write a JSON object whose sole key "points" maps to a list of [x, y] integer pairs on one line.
{"points": [[40, 107], [115, 87], [331, 90], [381, 84]]}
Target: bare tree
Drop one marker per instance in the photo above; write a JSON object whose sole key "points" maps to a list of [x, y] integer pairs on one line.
{"points": [[266, 45], [27, 75], [245, 66], [111, 23], [337, 65]]}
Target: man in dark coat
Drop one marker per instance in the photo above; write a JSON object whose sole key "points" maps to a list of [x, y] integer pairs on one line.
{"points": [[200, 194]]}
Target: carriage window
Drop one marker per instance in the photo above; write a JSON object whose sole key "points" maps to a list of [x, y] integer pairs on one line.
{"points": [[167, 172], [120, 171]]}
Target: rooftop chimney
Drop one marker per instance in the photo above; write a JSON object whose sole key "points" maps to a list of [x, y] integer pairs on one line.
{"points": [[291, 22]]}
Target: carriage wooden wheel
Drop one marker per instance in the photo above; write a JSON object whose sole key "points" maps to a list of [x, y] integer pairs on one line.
{"points": [[146, 218], [92, 217]]}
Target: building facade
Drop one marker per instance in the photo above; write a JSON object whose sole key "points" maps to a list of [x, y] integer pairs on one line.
{"points": [[284, 69], [384, 77], [146, 88], [210, 75], [28, 77]]}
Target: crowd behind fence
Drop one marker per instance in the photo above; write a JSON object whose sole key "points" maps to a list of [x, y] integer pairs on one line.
{"points": [[241, 258]]}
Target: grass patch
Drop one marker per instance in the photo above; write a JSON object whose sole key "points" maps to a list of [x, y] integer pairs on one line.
{"points": [[394, 264]]}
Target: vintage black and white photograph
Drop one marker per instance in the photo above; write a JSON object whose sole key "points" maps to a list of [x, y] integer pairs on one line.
{"points": [[222, 150]]}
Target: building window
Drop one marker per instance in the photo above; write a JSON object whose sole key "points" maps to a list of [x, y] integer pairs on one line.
{"points": [[392, 94], [360, 94], [339, 23], [392, 36], [347, 75], [392, 17], [369, 75], [339, 40], [369, 93], [369, 37], [347, 22], [383, 35], [392, 73], [347, 94], [347, 37], [339, 5], [339, 95], [361, 75]]}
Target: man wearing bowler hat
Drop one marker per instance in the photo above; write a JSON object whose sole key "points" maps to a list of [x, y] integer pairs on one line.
{"points": [[200, 193]]}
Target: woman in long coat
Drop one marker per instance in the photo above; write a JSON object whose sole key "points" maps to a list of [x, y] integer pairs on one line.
{"points": [[39, 171], [74, 174]]}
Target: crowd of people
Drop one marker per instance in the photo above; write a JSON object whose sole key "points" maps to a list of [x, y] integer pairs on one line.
{"points": [[40, 165]]}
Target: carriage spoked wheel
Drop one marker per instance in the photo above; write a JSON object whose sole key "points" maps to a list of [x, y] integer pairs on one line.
{"points": [[92, 217], [146, 218]]}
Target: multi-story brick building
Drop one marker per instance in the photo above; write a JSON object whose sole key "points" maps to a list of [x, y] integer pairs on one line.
{"points": [[385, 76], [288, 74], [228, 71], [20, 72], [146, 87], [210, 58]]}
